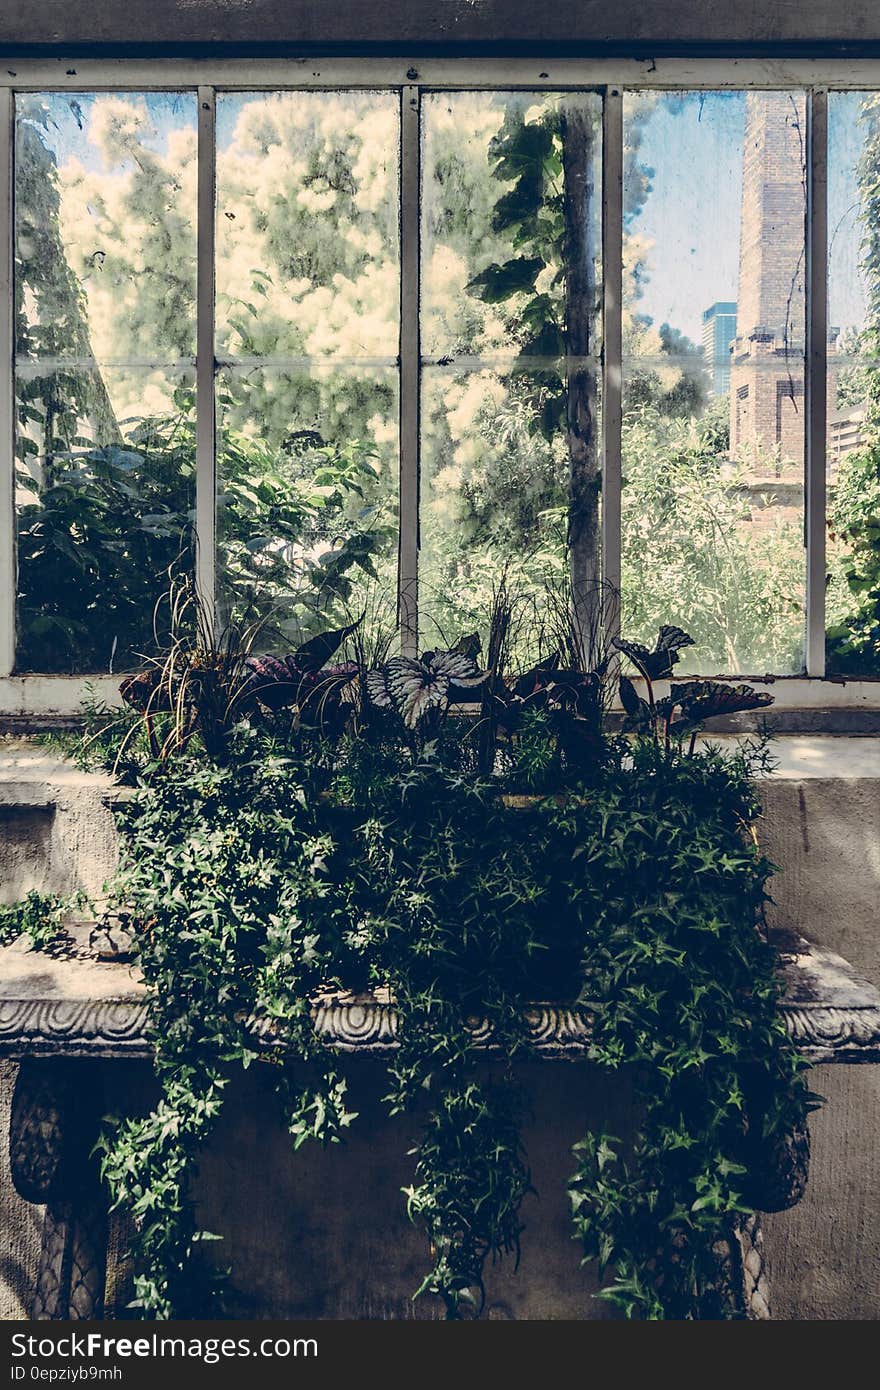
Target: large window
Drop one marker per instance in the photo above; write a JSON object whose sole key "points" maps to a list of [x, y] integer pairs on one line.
{"points": [[323, 339]]}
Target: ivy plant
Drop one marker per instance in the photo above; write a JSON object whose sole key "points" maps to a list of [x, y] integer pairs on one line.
{"points": [[38, 920], [467, 838]]}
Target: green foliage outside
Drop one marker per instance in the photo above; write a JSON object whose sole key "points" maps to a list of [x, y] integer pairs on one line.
{"points": [[108, 458], [689, 549], [349, 830], [99, 547], [854, 593], [106, 453]]}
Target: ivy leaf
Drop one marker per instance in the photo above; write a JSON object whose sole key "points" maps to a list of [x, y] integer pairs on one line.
{"points": [[521, 149], [522, 203], [499, 282]]}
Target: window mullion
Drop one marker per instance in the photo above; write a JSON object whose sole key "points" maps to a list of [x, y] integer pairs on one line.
{"points": [[410, 366], [7, 391], [206, 464], [612, 348], [816, 374]]}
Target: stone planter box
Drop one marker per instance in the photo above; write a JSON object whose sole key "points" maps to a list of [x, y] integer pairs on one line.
{"points": [[68, 1017], [325, 1234]]}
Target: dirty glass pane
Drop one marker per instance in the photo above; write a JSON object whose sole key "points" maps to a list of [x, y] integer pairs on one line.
{"points": [[308, 313], [853, 594], [307, 483], [713, 432], [494, 498], [105, 497], [105, 271], [511, 347], [307, 224]]}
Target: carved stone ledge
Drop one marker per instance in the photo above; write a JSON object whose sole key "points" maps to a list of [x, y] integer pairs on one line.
{"points": [[68, 1003], [829, 1010], [76, 1028], [77, 1006]]}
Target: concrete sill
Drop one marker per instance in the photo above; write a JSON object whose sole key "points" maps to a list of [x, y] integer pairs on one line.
{"points": [[71, 1004]]}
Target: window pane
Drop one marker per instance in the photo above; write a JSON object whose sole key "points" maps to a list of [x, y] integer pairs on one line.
{"points": [[307, 495], [713, 434], [308, 293], [494, 497], [105, 269], [307, 224], [104, 506], [853, 597], [511, 348]]}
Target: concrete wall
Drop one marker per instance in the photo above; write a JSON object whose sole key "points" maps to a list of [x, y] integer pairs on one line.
{"points": [[325, 1234], [20, 1223], [57, 834], [673, 24], [825, 1254]]}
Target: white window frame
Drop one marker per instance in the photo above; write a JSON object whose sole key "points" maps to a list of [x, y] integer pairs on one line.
{"points": [[38, 696]]}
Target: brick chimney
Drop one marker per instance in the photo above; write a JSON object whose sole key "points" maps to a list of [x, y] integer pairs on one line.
{"points": [[767, 371]]}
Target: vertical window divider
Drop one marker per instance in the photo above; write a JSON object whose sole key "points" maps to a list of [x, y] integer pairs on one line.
{"points": [[816, 385], [612, 350], [410, 367], [206, 426], [7, 388]]}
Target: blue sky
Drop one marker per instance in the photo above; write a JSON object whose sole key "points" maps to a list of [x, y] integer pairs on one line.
{"points": [[69, 120], [694, 143]]}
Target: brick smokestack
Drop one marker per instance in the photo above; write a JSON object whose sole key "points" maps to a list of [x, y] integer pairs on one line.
{"points": [[767, 372]]}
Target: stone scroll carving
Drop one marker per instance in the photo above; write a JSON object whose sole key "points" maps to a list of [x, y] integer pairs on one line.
{"points": [[118, 1028]]}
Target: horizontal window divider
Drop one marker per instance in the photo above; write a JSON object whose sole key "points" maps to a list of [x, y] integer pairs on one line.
{"points": [[46, 696], [40, 696], [823, 692], [792, 692], [349, 363], [796, 356], [29, 367], [510, 365]]}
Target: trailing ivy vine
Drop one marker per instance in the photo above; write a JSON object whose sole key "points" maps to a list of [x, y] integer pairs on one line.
{"points": [[306, 824], [38, 919], [684, 993]]}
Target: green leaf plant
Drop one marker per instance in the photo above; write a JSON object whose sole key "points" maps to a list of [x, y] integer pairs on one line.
{"points": [[465, 838], [37, 920]]}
